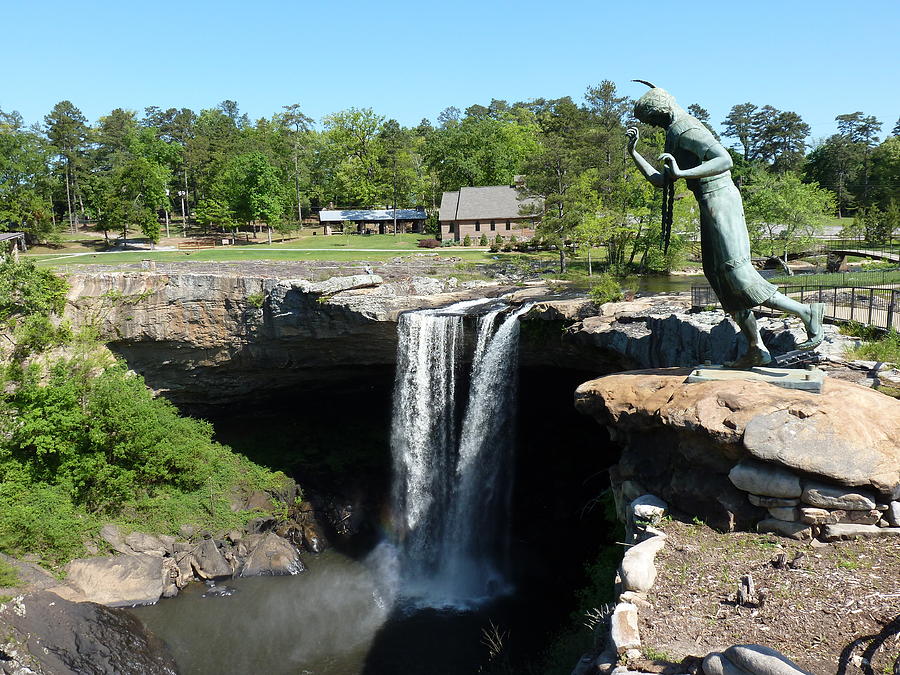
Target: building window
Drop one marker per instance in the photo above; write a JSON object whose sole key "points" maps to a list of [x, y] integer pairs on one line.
{"points": [[507, 225], [477, 226], [493, 226]]}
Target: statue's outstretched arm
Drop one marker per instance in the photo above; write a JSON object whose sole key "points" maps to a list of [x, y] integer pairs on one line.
{"points": [[650, 173], [716, 161]]}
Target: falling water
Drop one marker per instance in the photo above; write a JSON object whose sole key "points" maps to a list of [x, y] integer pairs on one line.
{"points": [[452, 490]]}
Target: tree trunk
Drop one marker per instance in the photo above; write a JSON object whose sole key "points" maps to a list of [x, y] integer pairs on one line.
{"points": [[590, 269], [562, 259], [269, 234], [69, 205]]}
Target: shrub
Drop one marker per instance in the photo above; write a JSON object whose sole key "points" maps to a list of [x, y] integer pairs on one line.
{"points": [[605, 289], [429, 243], [498, 239], [886, 349], [256, 300], [513, 240], [483, 241], [27, 290], [467, 240]]}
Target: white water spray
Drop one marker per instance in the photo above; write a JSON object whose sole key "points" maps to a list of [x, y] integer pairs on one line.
{"points": [[452, 491]]}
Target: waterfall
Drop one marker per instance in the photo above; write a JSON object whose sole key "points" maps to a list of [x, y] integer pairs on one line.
{"points": [[452, 489]]}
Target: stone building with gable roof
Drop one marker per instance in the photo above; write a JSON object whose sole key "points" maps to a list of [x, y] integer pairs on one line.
{"points": [[490, 210]]}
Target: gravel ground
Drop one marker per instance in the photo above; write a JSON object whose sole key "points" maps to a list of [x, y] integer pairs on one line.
{"points": [[832, 608]]}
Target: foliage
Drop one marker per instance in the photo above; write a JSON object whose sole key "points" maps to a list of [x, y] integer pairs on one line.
{"points": [[783, 213], [605, 289], [26, 290], [8, 575], [886, 349], [80, 443], [483, 241], [861, 330], [428, 243], [467, 240]]}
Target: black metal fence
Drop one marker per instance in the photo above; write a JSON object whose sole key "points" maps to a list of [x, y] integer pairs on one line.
{"points": [[873, 306]]}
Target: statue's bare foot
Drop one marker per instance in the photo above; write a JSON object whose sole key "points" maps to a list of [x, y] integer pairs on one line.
{"points": [[755, 356], [815, 330]]}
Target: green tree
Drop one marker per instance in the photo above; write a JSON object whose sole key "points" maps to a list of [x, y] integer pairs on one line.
{"points": [[784, 213], [67, 129], [253, 191], [26, 183], [353, 149], [132, 193], [298, 127], [480, 149], [557, 174]]}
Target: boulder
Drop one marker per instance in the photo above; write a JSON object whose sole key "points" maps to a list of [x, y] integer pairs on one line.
{"points": [[851, 531], [765, 479], [814, 516], [271, 555], [836, 497], [715, 663], [146, 543], [313, 540], [637, 570], [209, 562], [42, 633], [761, 660], [798, 531], [113, 536], [893, 514], [649, 508], [829, 435], [790, 514], [118, 580], [624, 627], [769, 502]]}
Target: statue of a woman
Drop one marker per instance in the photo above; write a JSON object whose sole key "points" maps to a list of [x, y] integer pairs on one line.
{"points": [[694, 154]]}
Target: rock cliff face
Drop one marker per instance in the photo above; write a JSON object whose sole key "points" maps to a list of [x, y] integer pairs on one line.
{"points": [[740, 452], [215, 338], [218, 338]]}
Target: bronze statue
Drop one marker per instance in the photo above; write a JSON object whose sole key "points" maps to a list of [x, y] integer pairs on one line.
{"points": [[693, 153]]}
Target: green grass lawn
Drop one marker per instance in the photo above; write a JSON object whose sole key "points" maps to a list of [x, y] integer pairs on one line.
{"points": [[398, 242], [245, 253], [862, 278]]}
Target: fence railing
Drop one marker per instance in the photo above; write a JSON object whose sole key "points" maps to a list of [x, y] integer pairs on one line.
{"points": [[873, 306]]}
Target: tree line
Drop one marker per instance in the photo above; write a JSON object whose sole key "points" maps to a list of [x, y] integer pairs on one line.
{"points": [[218, 167]]}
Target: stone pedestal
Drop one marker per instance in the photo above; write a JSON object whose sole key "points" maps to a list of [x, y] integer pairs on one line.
{"points": [[811, 380]]}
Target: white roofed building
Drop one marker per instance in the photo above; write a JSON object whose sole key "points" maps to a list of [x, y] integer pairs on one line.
{"points": [[370, 221]]}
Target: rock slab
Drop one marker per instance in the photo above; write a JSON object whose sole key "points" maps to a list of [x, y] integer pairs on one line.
{"points": [[624, 627], [829, 435], [118, 581], [42, 633]]}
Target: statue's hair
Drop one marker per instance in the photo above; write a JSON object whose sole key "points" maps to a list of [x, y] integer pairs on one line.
{"points": [[657, 100]]}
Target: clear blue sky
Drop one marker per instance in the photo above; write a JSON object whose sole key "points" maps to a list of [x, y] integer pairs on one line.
{"points": [[410, 60]]}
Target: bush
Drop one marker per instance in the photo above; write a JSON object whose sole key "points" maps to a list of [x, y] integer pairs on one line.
{"points": [[513, 240], [886, 349], [483, 241], [498, 239], [27, 290], [605, 289], [467, 240], [429, 243]]}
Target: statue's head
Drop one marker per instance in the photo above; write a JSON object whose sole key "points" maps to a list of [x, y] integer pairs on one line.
{"points": [[656, 107]]}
